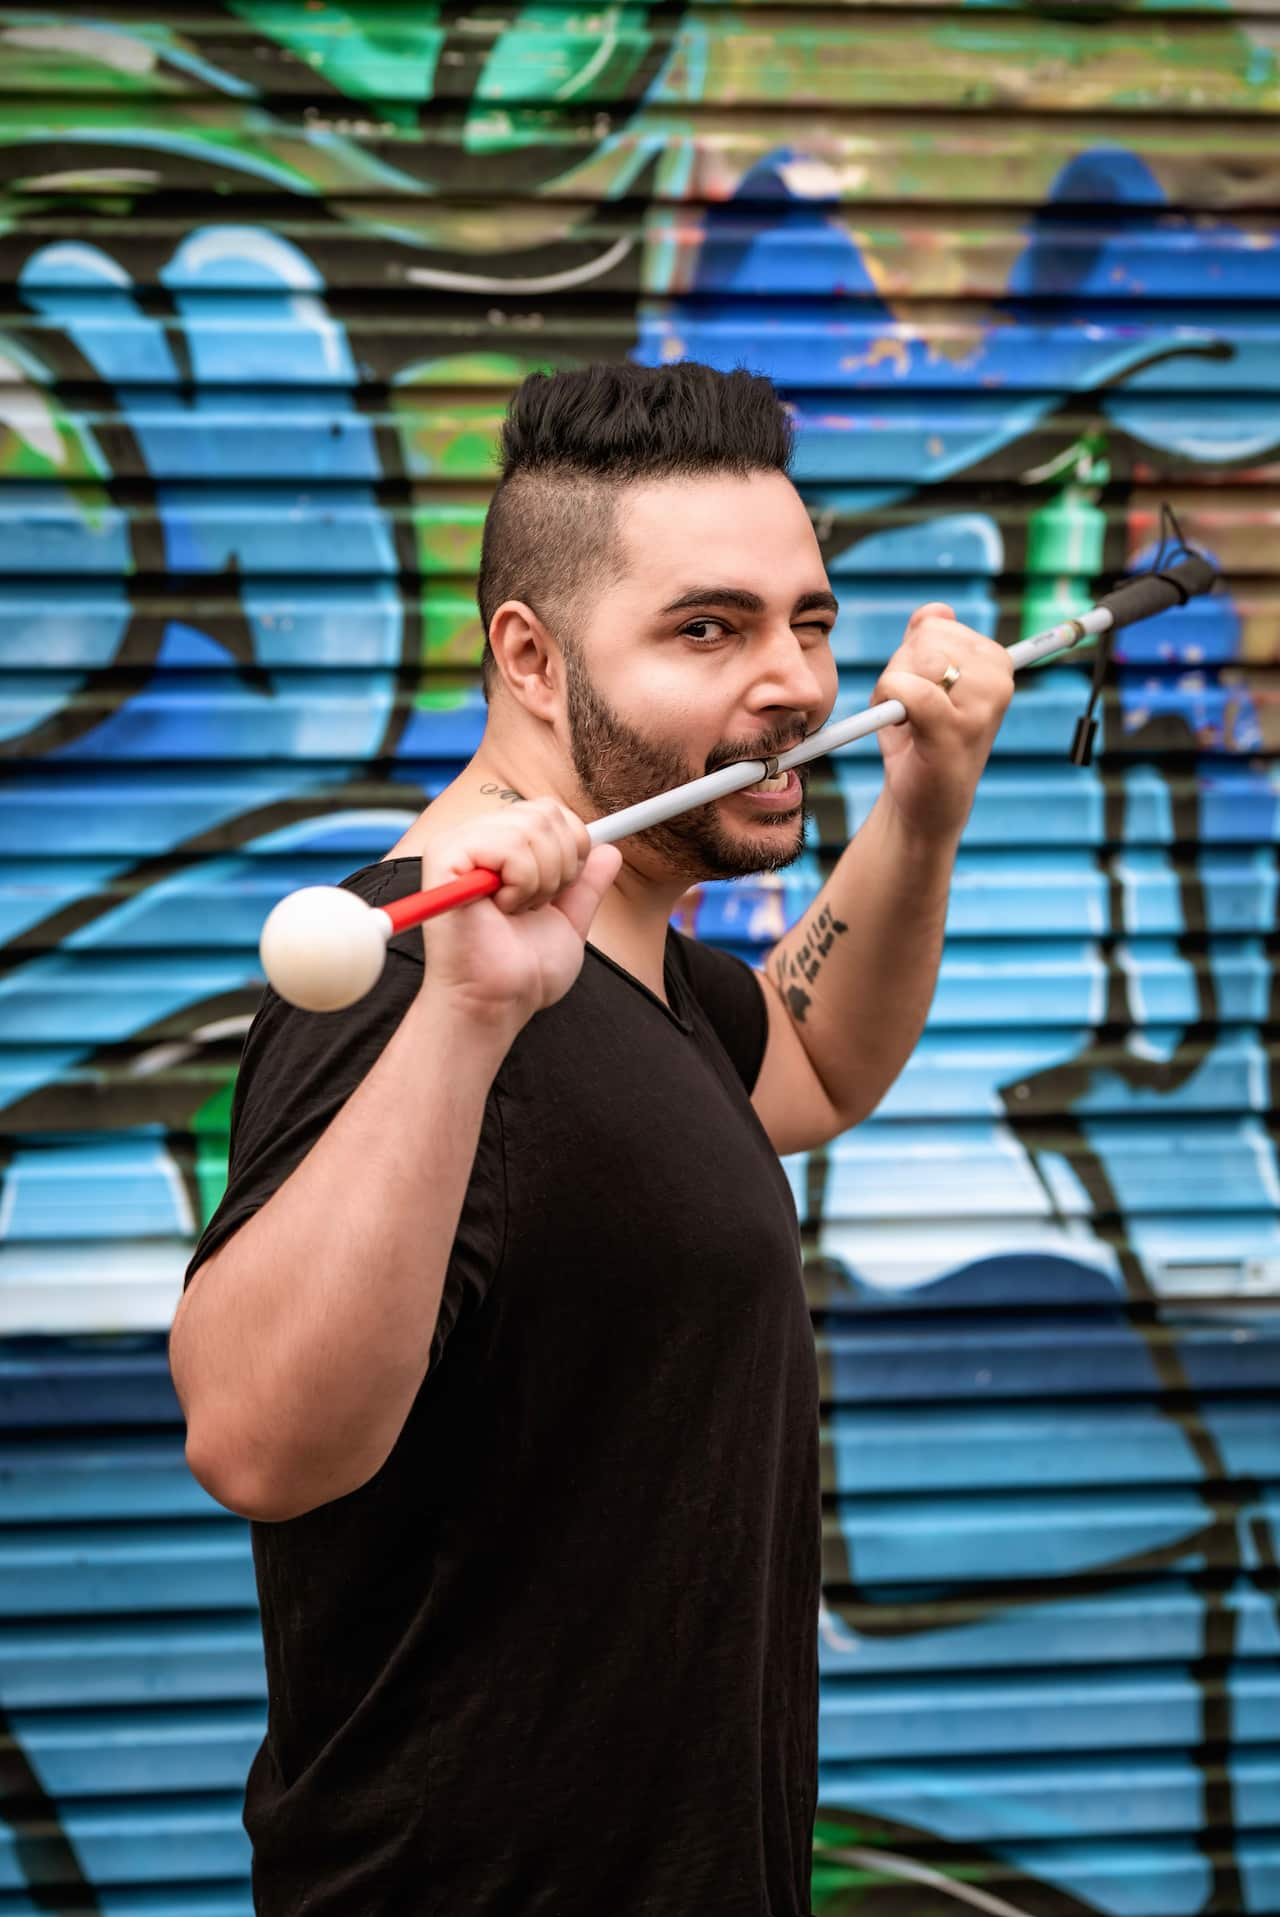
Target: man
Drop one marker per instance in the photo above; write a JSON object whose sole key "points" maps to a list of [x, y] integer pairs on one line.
{"points": [[499, 1335]]}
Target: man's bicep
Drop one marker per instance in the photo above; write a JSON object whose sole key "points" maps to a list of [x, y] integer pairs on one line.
{"points": [[296, 1071], [789, 1098]]}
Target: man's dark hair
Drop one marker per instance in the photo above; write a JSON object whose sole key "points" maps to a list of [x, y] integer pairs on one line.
{"points": [[571, 441]]}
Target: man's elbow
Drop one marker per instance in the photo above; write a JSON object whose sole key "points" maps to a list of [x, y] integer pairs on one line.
{"points": [[218, 1470], [268, 1487], [225, 1469], [841, 1107], [851, 1114]]}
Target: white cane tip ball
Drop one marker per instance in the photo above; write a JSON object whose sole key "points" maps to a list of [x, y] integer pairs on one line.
{"points": [[322, 948]]}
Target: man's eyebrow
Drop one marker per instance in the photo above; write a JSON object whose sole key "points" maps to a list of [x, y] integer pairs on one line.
{"points": [[742, 601]]}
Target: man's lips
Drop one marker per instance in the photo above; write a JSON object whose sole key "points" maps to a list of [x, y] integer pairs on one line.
{"points": [[781, 796], [757, 753]]}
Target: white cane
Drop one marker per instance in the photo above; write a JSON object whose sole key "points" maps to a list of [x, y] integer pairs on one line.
{"points": [[323, 948]]}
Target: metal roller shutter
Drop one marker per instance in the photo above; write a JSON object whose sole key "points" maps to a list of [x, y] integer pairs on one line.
{"points": [[271, 270]]}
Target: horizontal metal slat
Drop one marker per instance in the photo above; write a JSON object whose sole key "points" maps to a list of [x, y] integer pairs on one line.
{"points": [[1003, 1716], [866, 1451], [875, 1171], [347, 153], [942, 1546], [82, 1663], [1143, 1878], [933, 1260], [1139, 1175], [931, 1451], [212, 719], [1157, 1071], [1138, 1622], [960, 1544], [965, 1169], [180, 1898], [147, 811], [72, 1663], [219, 906], [756, 58], [115, 1286], [310, 552], [51, 628], [951, 1075], [304, 714], [302, 547], [149, 1844], [936, 1362], [129, 1845], [156, 1752], [314, 440], [165, 1753], [47, 1383], [969, 1800], [131, 1283], [238, 340], [83, 998], [79, 1479], [69, 1570]]}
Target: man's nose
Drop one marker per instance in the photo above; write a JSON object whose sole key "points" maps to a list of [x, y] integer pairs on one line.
{"points": [[790, 673]]}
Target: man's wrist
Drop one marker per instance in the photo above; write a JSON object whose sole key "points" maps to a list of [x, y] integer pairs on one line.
{"points": [[921, 849], [475, 1028]]}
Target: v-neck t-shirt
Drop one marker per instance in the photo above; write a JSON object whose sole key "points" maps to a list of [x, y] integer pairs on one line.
{"points": [[558, 1656]]}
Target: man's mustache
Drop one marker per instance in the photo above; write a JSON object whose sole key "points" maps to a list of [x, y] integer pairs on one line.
{"points": [[766, 746]]}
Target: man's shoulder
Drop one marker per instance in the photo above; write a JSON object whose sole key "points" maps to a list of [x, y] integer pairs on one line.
{"points": [[383, 881], [280, 1030], [389, 878]]}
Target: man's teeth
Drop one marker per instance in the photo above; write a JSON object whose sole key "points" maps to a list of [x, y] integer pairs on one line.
{"points": [[778, 783]]}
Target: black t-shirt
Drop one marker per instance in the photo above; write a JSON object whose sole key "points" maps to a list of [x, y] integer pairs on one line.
{"points": [[558, 1657]]}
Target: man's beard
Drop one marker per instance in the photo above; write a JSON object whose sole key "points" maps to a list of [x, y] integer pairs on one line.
{"points": [[617, 766]]}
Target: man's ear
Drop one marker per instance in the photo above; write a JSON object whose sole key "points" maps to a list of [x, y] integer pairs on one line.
{"points": [[527, 658]]}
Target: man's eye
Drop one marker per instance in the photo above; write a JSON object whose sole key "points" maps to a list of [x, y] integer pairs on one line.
{"points": [[691, 630]]}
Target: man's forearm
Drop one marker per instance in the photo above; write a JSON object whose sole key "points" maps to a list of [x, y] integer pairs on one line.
{"points": [[859, 970]]}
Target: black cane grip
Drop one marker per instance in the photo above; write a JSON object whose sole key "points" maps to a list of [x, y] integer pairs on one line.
{"points": [[1153, 592]]}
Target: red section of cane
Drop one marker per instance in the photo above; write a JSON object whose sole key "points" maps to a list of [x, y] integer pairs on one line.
{"points": [[419, 906]]}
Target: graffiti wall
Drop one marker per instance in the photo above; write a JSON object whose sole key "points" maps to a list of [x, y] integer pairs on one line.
{"points": [[271, 269]]}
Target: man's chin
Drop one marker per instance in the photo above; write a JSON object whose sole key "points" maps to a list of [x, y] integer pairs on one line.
{"points": [[771, 841]]}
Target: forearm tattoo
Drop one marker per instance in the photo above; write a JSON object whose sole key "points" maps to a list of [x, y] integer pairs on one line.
{"points": [[794, 969], [502, 792]]}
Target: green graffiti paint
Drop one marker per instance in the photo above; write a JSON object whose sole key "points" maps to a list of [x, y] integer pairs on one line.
{"points": [[451, 632], [210, 1129], [549, 54], [447, 537], [362, 59], [1065, 540], [446, 692]]}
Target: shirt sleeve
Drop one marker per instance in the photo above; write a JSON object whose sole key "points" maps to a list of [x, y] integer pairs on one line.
{"points": [[296, 1072], [731, 996]]}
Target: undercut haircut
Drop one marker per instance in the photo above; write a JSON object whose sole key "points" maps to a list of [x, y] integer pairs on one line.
{"points": [[572, 441]]}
